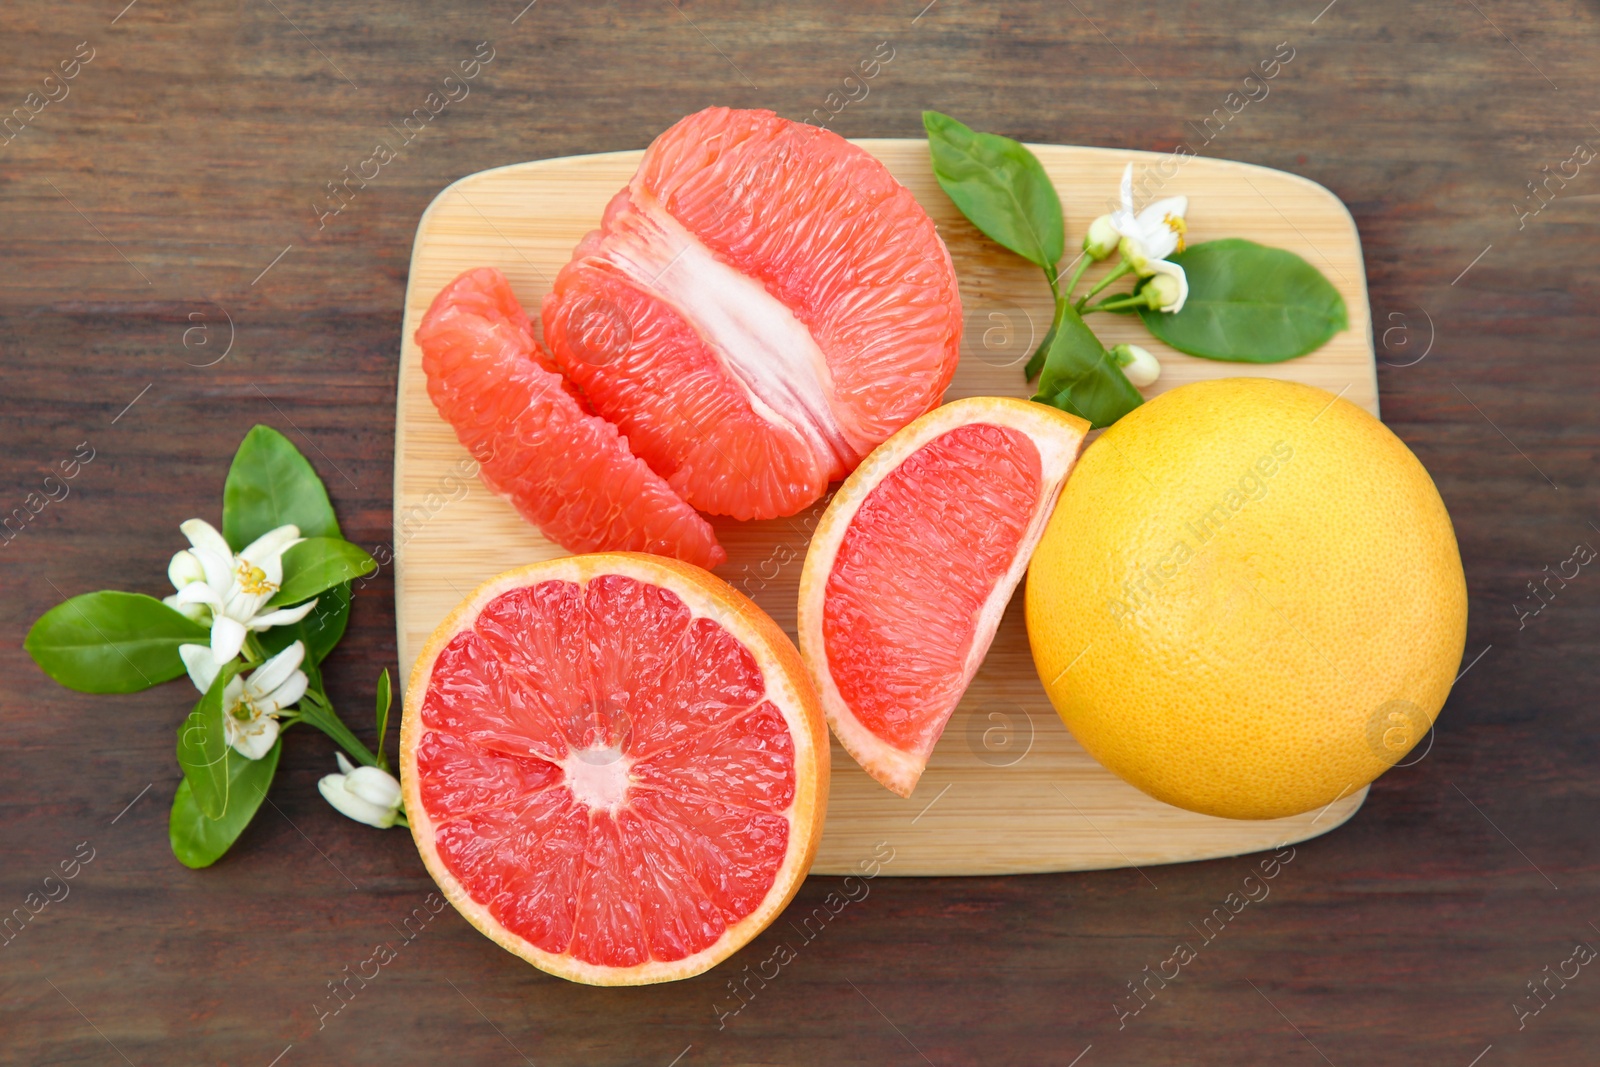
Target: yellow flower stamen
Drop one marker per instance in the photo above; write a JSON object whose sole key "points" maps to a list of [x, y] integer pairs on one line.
{"points": [[253, 580], [245, 710], [1176, 224]]}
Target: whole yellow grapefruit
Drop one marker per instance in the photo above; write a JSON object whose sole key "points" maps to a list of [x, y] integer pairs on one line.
{"points": [[1249, 601]]}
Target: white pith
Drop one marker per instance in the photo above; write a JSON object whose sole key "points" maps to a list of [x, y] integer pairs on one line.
{"points": [[1058, 442], [804, 813], [597, 777], [756, 337]]}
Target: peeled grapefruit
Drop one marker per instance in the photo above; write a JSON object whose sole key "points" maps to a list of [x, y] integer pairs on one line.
{"points": [[911, 567], [568, 472], [761, 306], [1249, 602], [614, 766]]}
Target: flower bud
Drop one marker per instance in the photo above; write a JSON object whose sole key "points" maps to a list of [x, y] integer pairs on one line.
{"points": [[1102, 238], [1163, 291], [190, 610], [365, 794], [1138, 364], [374, 786], [185, 569]]}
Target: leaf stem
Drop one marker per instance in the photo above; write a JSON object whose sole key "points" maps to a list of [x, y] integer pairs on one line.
{"points": [[1052, 277], [254, 653], [1122, 267], [1036, 361], [1122, 302], [1077, 273], [315, 710]]}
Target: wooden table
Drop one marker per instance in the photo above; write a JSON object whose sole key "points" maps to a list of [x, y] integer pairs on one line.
{"points": [[181, 184]]}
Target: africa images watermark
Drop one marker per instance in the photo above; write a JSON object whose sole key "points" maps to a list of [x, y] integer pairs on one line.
{"points": [[453, 486], [1536, 199], [1139, 590], [1254, 88], [34, 104], [451, 89], [855, 86], [1541, 595], [1210, 928], [855, 890], [33, 504], [1539, 992], [36, 901], [341, 994]]}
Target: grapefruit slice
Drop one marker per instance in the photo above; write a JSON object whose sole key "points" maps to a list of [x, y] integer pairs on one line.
{"points": [[614, 766], [761, 306], [568, 472], [912, 565]]}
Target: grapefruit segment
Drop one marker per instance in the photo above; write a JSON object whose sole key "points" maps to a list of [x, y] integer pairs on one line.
{"points": [[666, 379], [523, 861], [614, 766], [762, 305], [749, 763], [463, 778], [713, 680], [476, 701], [567, 471], [911, 567]]}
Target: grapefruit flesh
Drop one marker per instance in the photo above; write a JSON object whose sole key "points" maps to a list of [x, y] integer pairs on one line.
{"points": [[565, 470], [614, 766], [761, 306], [912, 565]]}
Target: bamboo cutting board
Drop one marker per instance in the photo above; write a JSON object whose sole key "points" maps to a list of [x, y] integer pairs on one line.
{"points": [[1008, 790]]}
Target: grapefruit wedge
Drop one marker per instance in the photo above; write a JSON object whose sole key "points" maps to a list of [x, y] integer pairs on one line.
{"points": [[761, 306], [912, 565], [614, 766], [569, 473]]}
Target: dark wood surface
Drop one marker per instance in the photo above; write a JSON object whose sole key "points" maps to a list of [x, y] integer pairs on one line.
{"points": [[190, 152]]}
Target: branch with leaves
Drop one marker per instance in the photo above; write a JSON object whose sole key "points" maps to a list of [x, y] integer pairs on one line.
{"points": [[1229, 300], [258, 606]]}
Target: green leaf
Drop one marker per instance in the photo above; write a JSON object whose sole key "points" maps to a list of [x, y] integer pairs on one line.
{"points": [[1036, 361], [270, 484], [199, 841], [385, 698], [319, 563], [111, 642], [1250, 304], [203, 747], [1000, 186], [1080, 377], [320, 630]]}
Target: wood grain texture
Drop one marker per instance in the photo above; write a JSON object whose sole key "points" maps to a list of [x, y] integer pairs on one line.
{"points": [[196, 143], [1015, 792]]}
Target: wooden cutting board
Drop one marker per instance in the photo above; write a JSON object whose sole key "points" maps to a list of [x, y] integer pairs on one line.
{"points": [[1008, 790]]}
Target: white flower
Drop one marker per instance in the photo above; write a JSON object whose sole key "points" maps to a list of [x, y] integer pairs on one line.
{"points": [[250, 705], [365, 794], [1152, 235], [232, 589], [1138, 364]]}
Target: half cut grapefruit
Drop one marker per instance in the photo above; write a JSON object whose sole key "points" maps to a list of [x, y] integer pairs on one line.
{"points": [[614, 766], [912, 565]]}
